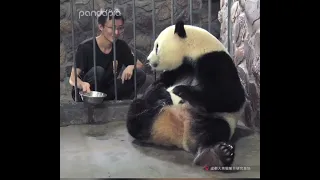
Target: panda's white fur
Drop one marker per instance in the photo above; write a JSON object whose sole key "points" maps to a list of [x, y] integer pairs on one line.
{"points": [[175, 99], [171, 54]]}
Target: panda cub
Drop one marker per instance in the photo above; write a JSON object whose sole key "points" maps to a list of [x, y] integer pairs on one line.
{"points": [[196, 102]]}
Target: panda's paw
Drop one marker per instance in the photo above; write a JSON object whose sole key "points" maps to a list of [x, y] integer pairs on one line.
{"points": [[182, 91], [155, 90], [220, 155], [225, 152]]}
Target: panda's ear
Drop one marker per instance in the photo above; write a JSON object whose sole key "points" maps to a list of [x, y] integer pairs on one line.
{"points": [[179, 29]]}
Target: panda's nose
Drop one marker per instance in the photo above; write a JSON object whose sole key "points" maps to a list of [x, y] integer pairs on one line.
{"points": [[155, 64]]}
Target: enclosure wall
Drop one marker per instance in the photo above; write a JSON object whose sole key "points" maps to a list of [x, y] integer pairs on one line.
{"points": [[245, 47]]}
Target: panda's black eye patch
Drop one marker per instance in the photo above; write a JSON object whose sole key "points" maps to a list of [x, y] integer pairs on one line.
{"points": [[157, 49]]}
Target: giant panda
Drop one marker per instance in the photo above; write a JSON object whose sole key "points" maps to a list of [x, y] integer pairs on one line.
{"points": [[196, 102]]}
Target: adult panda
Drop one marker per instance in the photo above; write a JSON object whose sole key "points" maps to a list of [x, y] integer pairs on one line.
{"points": [[199, 71]]}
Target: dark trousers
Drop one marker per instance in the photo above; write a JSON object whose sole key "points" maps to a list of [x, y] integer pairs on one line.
{"points": [[124, 91]]}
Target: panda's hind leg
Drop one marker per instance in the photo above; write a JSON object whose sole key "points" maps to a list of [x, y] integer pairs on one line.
{"points": [[212, 139], [143, 112], [139, 119]]}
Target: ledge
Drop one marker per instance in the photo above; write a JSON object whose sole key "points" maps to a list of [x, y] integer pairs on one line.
{"points": [[73, 113]]}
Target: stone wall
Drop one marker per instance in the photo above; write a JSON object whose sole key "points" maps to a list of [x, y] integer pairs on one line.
{"points": [[245, 47], [144, 41]]}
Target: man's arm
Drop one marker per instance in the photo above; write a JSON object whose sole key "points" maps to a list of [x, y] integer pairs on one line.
{"points": [[72, 78], [80, 61], [139, 64], [130, 58]]}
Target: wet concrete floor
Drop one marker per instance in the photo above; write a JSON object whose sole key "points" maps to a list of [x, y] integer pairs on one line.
{"points": [[107, 151]]}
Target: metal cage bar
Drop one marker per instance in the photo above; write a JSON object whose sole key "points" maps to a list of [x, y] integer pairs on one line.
{"points": [[73, 54], [134, 47], [94, 50], [190, 11], [209, 15], [153, 29], [134, 36], [229, 25], [172, 12], [114, 53]]}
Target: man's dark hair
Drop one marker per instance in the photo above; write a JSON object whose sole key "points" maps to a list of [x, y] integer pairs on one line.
{"points": [[107, 14]]}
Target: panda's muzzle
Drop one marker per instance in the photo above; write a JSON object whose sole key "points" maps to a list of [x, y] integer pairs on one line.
{"points": [[155, 64]]}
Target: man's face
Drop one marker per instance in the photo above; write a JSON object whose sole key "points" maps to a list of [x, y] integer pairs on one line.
{"points": [[107, 30]]}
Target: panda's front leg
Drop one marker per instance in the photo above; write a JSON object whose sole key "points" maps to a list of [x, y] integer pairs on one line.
{"points": [[156, 93], [166, 78], [189, 93]]}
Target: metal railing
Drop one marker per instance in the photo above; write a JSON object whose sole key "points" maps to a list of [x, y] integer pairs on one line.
{"points": [[134, 39]]}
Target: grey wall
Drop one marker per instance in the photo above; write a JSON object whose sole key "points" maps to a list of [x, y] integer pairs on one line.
{"points": [[245, 47]]}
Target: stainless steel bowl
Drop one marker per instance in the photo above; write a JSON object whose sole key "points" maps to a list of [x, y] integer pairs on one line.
{"points": [[93, 97]]}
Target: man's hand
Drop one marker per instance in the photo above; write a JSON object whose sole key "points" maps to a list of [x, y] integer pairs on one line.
{"points": [[85, 87], [127, 73]]}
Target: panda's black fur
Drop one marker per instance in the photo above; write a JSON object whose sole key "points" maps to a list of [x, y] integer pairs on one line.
{"points": [[195, 125]]}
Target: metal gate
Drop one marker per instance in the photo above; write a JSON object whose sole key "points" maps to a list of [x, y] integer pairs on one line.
{"points": [[134, 36]]}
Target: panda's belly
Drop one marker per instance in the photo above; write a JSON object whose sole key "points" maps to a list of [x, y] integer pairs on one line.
{"points": [[175, 99]]}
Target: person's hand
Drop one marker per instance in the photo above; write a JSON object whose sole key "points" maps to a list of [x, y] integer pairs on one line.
{"points": [[85, 87], [127, 73]]}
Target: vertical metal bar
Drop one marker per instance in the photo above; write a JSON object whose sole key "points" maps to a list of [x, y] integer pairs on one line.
{"points": [[114, 51], [134, 46], [172, 12], [229, 24], [154, 29], [209, 15], [94, 49], [73, 54], [190, 11]]}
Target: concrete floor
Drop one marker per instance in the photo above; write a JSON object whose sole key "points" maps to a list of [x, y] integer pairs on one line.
{"points": [[107, 151]]}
